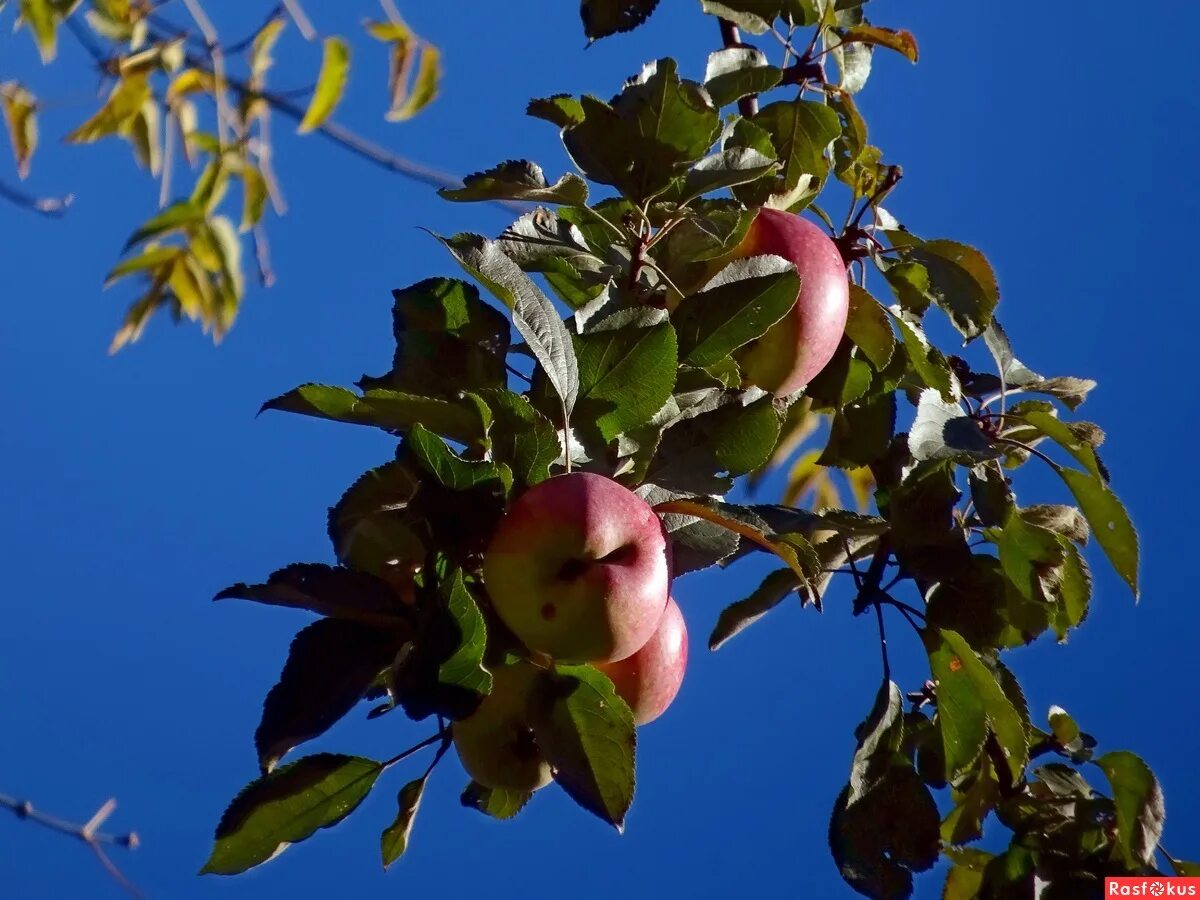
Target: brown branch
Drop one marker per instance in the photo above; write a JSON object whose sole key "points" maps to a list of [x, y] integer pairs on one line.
{"points": [[731, 37], [89, 832]]}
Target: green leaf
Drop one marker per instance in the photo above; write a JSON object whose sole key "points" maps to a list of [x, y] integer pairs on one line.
{"points": [[20, 114], [330, 666], [155, 258], [942, 430], [754, 16], [802, 131], [519, 436], [1139, 801], [519, 179], [737, 72], [740, 304], [1030, 555], [926, 360], [371, 526], [499, 803], [1074, 592], [394, 840], [533, 313], [450, 469], [1109, 521], [331, 83], [669, 110], [961, 283], [175, 217], [736, 165], [289, 806], [970, 703], [562, 110], [627, 364], [869, 327], [390, 410], [972, 804], [1060, 432], [123, 104], [738, 616], [586, 732], [325, 590], [879, 738], [254, 197], [444, 674], [602, 18], [981, 604], [43, 18], [441, 325]]}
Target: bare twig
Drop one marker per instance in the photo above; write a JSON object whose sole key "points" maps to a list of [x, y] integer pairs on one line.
{"points": [[89, 833], [296, 11], [51, 207], [217, 56], [262, 256]]}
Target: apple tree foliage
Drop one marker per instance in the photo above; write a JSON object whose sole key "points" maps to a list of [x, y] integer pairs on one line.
{"points": [[564, 342]]}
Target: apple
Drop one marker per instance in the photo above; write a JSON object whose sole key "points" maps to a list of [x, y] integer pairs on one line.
{"points": [[649, 680], [578, 569], [495, 743], [799, 345]]}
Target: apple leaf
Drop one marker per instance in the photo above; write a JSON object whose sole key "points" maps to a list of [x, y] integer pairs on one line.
{"points": [[519, 436], [1139, 801], [1109, 521], [879, 738], [927, 361], [288, 806], [326, 590], [450, 469], [730, 167], [444, 674], [441, 325], [562, 110], [669, 110], [901, 41], [20, 108], [695, 543], [499, 803], [331, 83], [627, 365], [370, 527], [329, 668], [586, 732], [736, 72], [869, 327], [1061, 433], [602, 18], [802, 131], [390, 410], [394, 840], [740, 304], [519, 179], [754, 16], [738, 616], [970, 703], [942, 430], [533, 313], [960, 281], [972, 804]]}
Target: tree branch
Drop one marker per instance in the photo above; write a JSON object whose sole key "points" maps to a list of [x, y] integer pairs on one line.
{"points": [[89, 832], [731, 37], [51, 207]]}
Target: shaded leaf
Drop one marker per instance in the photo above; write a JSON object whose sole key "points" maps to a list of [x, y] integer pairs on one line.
{"points": [[901, 41], [1109, 521], [869, 327], [736, 72], [20, 115], [519, 180], [740, 615], [325, 590], [394, 840], [1139, 801], [602, 18], [942, 430], [450, 469], [498, 803]]}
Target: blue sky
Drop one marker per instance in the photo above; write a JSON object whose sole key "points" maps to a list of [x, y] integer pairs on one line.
{"points": [[137, 486]]}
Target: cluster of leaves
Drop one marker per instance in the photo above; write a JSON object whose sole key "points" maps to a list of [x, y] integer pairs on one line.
{"points": [[640, 381], [174, 91]]}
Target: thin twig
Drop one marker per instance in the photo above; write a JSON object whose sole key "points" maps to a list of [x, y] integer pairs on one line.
{"points": [[51, 207], [415, 748], [887, 665], [731, 37], [262, 256], [89, 833], [302, 21]]}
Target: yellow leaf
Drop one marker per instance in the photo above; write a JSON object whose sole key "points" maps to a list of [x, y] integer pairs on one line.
{"points": [[331, 83], [125, 102], [424, 88], [20, 113]]}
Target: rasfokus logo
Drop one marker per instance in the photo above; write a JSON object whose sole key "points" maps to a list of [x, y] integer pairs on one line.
{"points": [[1140, 886]]}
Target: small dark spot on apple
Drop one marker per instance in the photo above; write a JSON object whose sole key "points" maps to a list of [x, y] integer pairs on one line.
{"points": [[548, 611]]}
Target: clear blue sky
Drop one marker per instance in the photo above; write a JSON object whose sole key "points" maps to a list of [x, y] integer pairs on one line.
{"points": [[134, 487]]}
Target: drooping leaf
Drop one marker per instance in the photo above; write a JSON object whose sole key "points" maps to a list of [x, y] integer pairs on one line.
{"points": [[127, 99], [740, 615], [329, 668], [901, 41], [960, 281], [394, 840], [586, 732], [495, 802], [1109, 521], [331, 83], [1139, 801], [288, 806], [20, 115], [869, 327]]}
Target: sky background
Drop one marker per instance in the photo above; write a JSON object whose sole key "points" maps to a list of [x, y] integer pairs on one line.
{"points": [[136, 486]]}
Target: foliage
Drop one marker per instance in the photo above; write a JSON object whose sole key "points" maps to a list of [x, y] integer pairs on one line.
{"points": [[638, 380], [183, 97]]}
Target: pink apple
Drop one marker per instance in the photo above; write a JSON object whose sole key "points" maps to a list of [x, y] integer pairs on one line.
{"points": [[649, 680], [578, 569], [801, 344]]}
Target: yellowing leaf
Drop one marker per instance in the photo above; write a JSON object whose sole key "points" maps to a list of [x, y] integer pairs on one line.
{"points": [[20, 114], [123, 104], [335, 70]]}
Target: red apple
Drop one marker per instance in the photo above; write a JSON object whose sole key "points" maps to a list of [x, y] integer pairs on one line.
{"points": [[799, 345], [649, 680], [578, 569]]}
